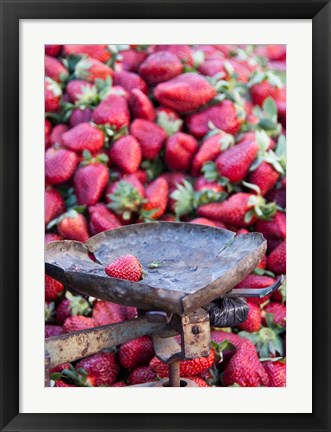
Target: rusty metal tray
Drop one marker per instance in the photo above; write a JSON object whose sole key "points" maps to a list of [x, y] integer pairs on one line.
{"points": [[197, 264]]}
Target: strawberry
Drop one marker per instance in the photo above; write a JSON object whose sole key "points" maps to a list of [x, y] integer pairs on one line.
{"points": [[53, 50], [84, 136], [278, 196], [105, 312], [73, 226], [253, 320], [90, 181], [55, 136], [202, 184], [98, 52], [79, 115], [54, 205], [52, 330], [71, 306], [235, 162], [200, 381], [223, 115], [53, 95], [126, 154], [203, 221], [126, 267], [53, 289], [180, 150], [55, 70], [48, 129], [278, 312], [262, 90], [141, 375], [185, 92], [60, 368], [62, 383], [136, 352], [129, 81], [264, 176], [244, 367], [52, 237], [81, 91], [102, 219], [119, 384], [159, 67], [212, 66], [101, 369], [91, 69], [77, 323], [209, 150], [125, 197], [277, 259], [156, 194], [141, 106], [132, 59], [188, 368], [263, 263], [273, 229], [150, 136], [60, 165], [168, 120], [256, 281], [113, 110], [277, 373], [183, 52]]}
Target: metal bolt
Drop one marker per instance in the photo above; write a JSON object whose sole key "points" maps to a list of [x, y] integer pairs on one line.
{"points": [[195, 330]]}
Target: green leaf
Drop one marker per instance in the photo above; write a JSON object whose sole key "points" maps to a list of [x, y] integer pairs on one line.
{"points": [[55, 376], [278, 344], [198, 58], [249, 216], [270, 108], [267, 124]]}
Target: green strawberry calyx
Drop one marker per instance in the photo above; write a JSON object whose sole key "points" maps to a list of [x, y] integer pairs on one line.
{"points": [[169, 123], [125, 200], [89, 159], [78, 305], [258, 206]]}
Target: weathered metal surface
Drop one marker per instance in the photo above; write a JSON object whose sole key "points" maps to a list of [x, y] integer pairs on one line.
{"points": [[47, 369], [174, 374], [184, 382], [166, 349], [197, 264], [73, 346], [256, 292], [195, 334]]}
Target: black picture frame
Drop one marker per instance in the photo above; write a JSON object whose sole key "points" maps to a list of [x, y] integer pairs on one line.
{"points": [[12, 11]]}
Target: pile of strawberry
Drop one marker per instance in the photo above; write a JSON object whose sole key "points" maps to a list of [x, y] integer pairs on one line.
{"points": [[173, 133]]}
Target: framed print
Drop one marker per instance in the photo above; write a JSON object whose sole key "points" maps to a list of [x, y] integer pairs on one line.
{"points": [[161, 167]]}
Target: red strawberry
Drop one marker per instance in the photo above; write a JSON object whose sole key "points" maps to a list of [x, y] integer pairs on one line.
{"points": [[188, 368], [78, 322], [276, 372], [73, 226], [262, 90], [180, 150], [273, 229], [119, 384], [80, 91], [200, 381], [90, 69], [160, 67], [256, 281], [52, 330], [141, 106], [136, 352], [60, 165], [101, 368], [125, 267], [60, 368], [150, 136], [223, 115], [212, 66], [231, 212], [185, 92], [84, 136], [278, 311], [112, 110], [80, 115], [126, 154], [102, 219], [201, 184], [277, 259], [235, 162], [53, 95], [54, 205], [71, 306], [132, 59], [244, 367], [48, 129], [90, 181], [98, 52], [253, 320], [105, 312], [183, 52], [156, 195], [208, 151], [263, 263], [264, 176], [141, 375], [52, 237], [203, 221], [125, 197], [53, 289], [53, 50], [129, 81], [56, 134], [62, 383], [55, 70], [278, 196]]}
